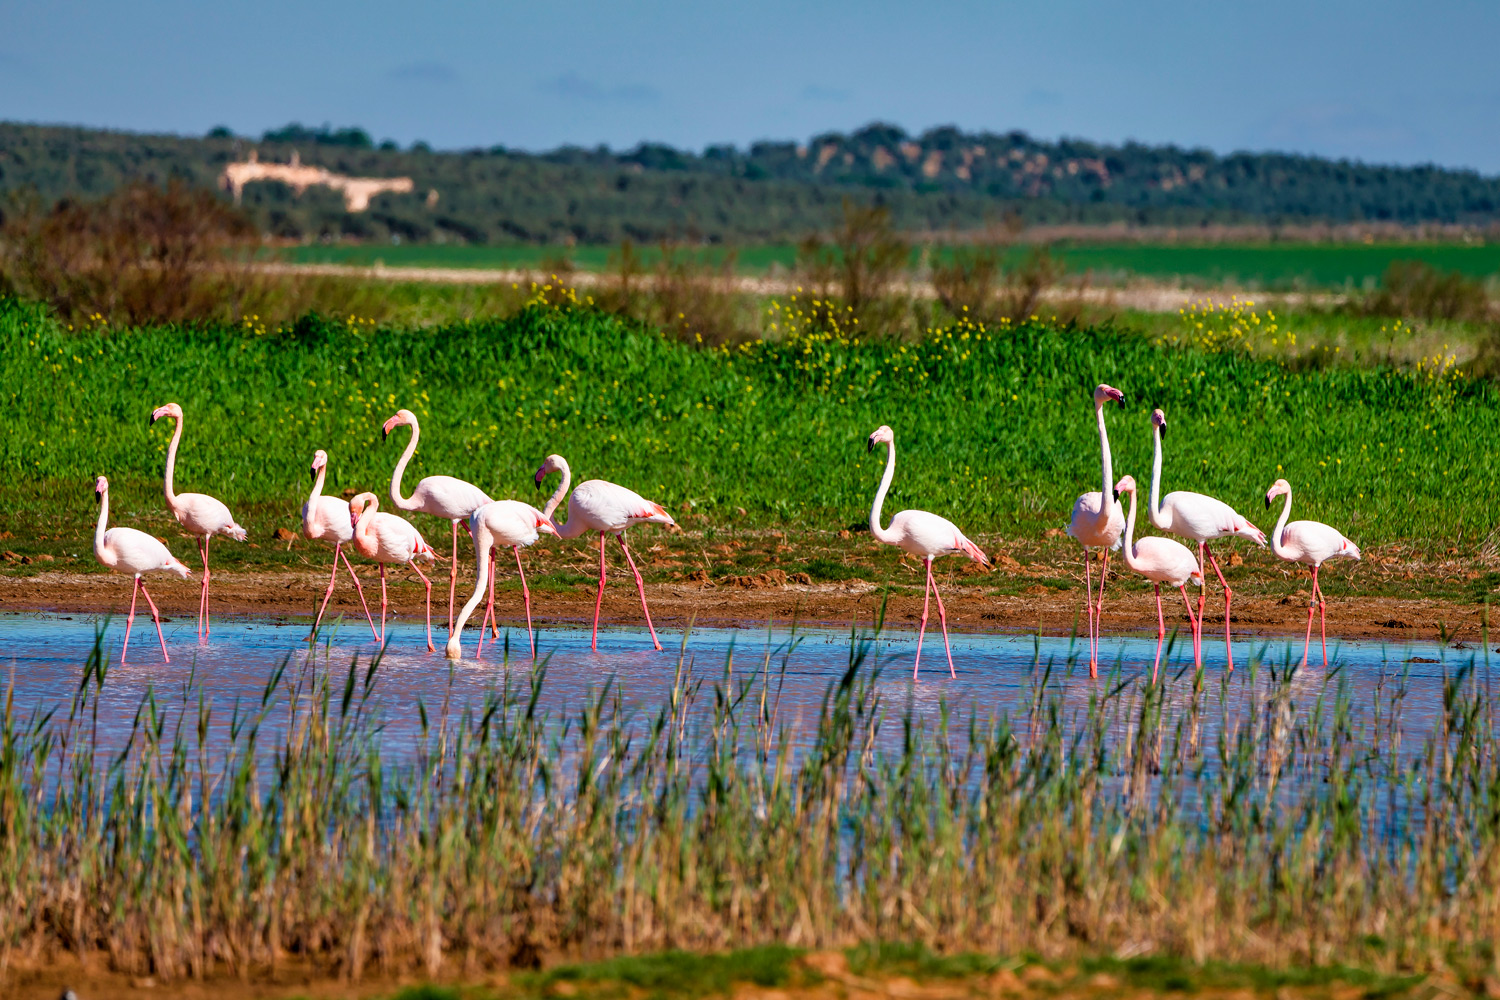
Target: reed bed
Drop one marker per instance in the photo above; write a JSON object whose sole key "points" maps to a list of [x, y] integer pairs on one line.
{"points": [[1274, 817]]}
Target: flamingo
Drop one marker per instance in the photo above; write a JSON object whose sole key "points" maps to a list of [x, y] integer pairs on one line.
{"points": [[504, 522], [1097, 522], [1162, 560], [609, 509], [126, 550], [202, 515], [1313, 543], [441, 496], [386, 539], [1201, 518], [921, 534], [327, 519]]}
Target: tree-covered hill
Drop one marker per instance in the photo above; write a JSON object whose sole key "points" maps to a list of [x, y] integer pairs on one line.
{"points": [[942, 179]]}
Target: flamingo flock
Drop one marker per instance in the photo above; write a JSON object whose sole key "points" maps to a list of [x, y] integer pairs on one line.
{"points": [[1098, 521]]}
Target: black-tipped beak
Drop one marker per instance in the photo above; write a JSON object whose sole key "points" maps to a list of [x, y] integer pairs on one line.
{"points": [[1117, 495], [151, 420], [98, 496], [538, 483], [870, 445], [1268, 502], [384, 433], [1163, 428], [312, 474]]}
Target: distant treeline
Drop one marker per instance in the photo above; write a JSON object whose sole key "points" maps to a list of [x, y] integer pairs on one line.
{"points": [[943, 179]]}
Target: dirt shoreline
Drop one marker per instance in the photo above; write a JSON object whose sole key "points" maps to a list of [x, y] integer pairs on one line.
{"points": [[293, 595]]}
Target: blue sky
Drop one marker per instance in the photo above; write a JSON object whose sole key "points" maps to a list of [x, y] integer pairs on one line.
{"points": [[1382, 82]]}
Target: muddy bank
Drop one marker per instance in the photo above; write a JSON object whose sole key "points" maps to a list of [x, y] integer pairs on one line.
{"points": [[751, 602]]}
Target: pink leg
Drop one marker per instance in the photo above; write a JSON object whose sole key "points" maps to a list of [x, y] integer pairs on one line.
{"points": [[1099, 615], [206, 626], [129, 619], [489, 611], [1161, 634], [428, 584], [1312, 606], [156, 619], [494, 625], [1228, 599], [641, 587], [599, 601], [526, 595], [943, 618], [337, 551], [452, 578], [1088, 595], [922, 629], [1322, 615], [1197, 660], [202, 584], [384, 603]]}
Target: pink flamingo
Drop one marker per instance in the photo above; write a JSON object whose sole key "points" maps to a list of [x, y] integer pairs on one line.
{"points": [[327, 519], [441, 496], [1162, 560], [921, 534], [388, 539], [504, 522], [601, 506], [126, 550], [1097, 523], [1201, 518], [1313, 543], [202, 515]]}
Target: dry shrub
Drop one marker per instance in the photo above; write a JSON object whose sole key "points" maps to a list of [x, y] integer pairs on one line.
{"points": [[857, 267], [1414, 289], [1025, 283], [975, 282], [685, 294], [138, 255]]}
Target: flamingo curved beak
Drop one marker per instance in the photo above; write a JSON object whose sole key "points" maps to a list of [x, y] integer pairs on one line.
{"points": [[1116, 395], [870, 444], [540, 475]]}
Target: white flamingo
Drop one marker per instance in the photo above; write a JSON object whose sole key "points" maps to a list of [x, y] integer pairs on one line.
{"points": [[504, 522], [1312, 543], [392, 540], [1161, 560], [1097, 523], [441, 496], [609, 509], [126, 550], [202, 515], [1202, 519], [327, 519], [921, 534]]}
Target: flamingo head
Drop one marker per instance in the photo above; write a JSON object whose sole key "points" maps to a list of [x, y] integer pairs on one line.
{"points": [[320, 459], [1104, 393], [883, 435], [402, 418], [101, 487], [1159, 421], [170, 410], [1278, 488], [550, 464], [544, 524], [1125, 485], [358, 504]]}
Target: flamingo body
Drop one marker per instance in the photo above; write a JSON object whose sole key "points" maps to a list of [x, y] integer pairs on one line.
{"points": [[126, 550], [501, 523], [390, 540], [326, 519], [1097, 522], [1093, 526], [1311, 543], [1161, 560], [609, 509], [921, 534]]}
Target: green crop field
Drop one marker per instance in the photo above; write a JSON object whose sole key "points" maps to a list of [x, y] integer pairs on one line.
{"points": [[993, 428], [1265, 266]]}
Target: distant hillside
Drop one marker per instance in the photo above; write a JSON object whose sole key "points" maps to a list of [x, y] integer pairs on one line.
{"points": [[943, 179]]}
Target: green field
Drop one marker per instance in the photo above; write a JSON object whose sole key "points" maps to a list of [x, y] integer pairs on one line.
{"points": [[994, 429], [1269, 266]]}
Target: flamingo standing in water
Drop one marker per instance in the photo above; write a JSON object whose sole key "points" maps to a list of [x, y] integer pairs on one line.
{"points": [[1313, 543], [921, 534], [601, 506], [441, 496], [203, 516], [327, 519], [389, 539], [1097, 523], [504, 522], [126, 550], [1162, 560], [1201, 518]]}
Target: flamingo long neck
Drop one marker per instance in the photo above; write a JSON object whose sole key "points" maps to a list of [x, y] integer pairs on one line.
{"points": [[404, 503], [103, 524], [885, 484], [317, 490], [559, 493], [172, 463], [1286, 512], [483, 545], [365, 526], [1108, 489], [1155, 510], [1129, 552]]}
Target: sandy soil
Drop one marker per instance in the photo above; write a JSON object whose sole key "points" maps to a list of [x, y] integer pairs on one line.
{"points": [[753, 601]]}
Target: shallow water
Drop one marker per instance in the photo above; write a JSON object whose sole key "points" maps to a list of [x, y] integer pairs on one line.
{"points": [[995, 672]]}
